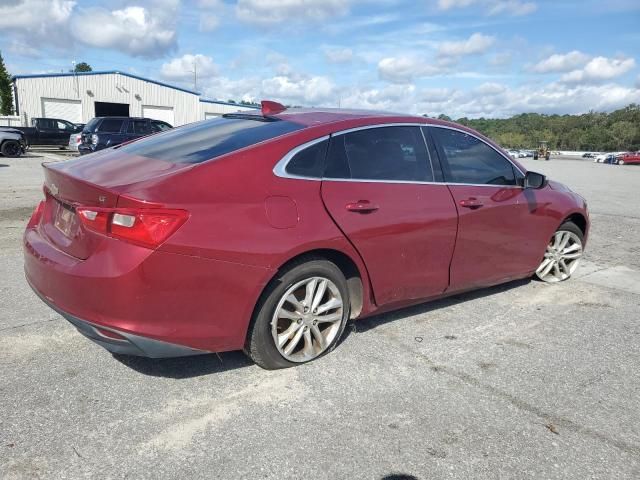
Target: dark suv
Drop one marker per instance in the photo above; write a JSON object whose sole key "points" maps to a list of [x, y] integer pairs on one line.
{"points": [[105, 132]]}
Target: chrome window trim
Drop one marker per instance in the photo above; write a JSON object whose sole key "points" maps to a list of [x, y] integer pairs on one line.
{"points": [[280, 168]]}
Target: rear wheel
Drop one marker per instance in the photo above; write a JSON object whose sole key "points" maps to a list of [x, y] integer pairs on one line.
{"points": [[300, 317], [562, 255], [11, 148]]}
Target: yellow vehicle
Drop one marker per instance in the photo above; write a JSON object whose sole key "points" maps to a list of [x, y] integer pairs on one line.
{"points": [[542, 151]]}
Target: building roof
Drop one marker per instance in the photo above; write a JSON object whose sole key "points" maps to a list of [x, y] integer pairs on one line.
{"points": [[106, 72], [118, 72]]}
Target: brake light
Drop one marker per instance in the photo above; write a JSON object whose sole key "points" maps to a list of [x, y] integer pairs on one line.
{"points": [[36, 215], [148, 227]]}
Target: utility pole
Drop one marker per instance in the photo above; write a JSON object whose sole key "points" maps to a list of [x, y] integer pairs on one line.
{"points": [[195, 76]]}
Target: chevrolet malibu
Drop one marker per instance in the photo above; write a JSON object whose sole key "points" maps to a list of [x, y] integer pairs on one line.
{"points": [[268, 231]]}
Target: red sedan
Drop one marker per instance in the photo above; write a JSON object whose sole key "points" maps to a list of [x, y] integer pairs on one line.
{"points": [[268, 231], [629, 158]]}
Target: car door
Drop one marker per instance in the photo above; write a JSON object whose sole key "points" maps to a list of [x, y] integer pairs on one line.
{"points": [[499, 229], [379, 188], [47, 131], [64, 130]]}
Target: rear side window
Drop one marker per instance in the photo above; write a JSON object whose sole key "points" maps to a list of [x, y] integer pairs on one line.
{"points": [[139, 127], [385, 153], [209, 139], [472, 161], [110, 125], [309, 162]]}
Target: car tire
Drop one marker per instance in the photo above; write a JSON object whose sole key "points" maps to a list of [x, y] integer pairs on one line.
{"points": [[271, 335], [11, 149], [620, 162], [562, 254]]}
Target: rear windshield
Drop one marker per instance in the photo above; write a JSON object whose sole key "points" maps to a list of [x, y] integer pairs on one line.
{"points": [[209, 139]]}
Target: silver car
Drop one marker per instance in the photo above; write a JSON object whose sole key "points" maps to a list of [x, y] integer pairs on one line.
{"points": [[74, 140]]}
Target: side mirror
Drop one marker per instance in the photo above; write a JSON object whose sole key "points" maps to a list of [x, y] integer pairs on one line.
{"points": [[534, 180]]}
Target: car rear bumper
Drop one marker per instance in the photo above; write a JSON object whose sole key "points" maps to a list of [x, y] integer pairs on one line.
{"points": [[124, 343], [148, 302]]}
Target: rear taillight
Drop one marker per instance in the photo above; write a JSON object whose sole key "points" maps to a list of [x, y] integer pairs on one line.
{"points": [[36, 215], [148, 227]]}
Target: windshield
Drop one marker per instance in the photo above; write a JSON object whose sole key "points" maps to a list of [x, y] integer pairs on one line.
{"points": [[209, 139]]}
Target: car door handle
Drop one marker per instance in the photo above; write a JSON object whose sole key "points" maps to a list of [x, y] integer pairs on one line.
{"points": [[472, 203], [362, 206]]}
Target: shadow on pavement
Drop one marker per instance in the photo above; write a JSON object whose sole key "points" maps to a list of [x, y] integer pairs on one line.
{"points": [[185, 367], [366, 324]]}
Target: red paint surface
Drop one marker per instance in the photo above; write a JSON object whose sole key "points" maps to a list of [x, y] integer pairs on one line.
{"points": [[200, 287]]}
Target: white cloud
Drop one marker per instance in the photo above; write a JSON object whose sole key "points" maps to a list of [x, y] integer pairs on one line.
{"points": [[139, 31], [475, 44], [512, 7], [182, 68], [493, 7], [36, 21], [404, 69], [209, 22], [338, 54], [291, 89], [273, 12], [561, 62], [600, 69]]}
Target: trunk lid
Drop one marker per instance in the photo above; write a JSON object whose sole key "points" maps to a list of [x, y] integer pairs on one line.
{"points": [[96, 180]]}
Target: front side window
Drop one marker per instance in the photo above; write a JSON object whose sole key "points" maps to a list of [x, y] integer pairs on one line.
{"points": [[470, 160], [157, 126], [110, 125], [384, 154]]}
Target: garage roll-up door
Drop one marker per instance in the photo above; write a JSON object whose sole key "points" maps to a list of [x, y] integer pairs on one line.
{"points": [[69, 110], [159, 113]]}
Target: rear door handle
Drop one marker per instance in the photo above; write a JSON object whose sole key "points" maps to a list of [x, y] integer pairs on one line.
{"points": [[362, 206], [472, 203]]}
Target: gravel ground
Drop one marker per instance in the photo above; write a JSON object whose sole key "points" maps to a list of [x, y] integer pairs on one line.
{"points": [[524, 380]]}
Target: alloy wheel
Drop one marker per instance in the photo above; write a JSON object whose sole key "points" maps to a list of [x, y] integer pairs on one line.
{"points": [[561, 258], [307, 319]]}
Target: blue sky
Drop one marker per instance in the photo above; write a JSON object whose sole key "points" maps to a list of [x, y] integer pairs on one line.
{"points": [[491, 58]]}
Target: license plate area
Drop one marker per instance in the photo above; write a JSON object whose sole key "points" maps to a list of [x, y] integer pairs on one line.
{"points": [[65, 219]]}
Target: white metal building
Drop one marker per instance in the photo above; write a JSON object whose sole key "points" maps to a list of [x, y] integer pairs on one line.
{"points": [[78, 97]]}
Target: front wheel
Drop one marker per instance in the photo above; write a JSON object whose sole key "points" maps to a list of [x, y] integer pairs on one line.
{"points": [[300, 317], [620, 162], [562, 255], [11, 149]]}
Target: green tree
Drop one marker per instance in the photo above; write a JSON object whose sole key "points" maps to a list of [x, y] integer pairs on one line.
{"points": [[6, 98], [82, 67]]}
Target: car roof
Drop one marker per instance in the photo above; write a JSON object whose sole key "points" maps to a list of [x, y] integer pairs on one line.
{"points": [[129, 118], [315, 117]]}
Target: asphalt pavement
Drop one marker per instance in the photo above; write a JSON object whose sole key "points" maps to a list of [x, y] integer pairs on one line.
{"points": [[524, 380]]}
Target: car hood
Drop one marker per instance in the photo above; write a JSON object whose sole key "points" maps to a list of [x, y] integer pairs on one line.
{"points": [[560, 187]]}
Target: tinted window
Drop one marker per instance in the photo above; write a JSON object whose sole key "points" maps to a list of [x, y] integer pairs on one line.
{"points": [[309, 162], [471, 160], [159, 126], [387, 153], [138, 127], [205, 140], [110, 125], [91, 126], [46, 123]]}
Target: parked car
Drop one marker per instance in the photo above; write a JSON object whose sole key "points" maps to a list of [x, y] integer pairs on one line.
{"points": [[75, 139], [588, 155], [267, 231], [48, 131], [105, 132], [12, 142], [629, 158]]}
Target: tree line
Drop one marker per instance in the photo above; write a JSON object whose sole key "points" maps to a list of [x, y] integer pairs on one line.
{"points": [[593, 131]]}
